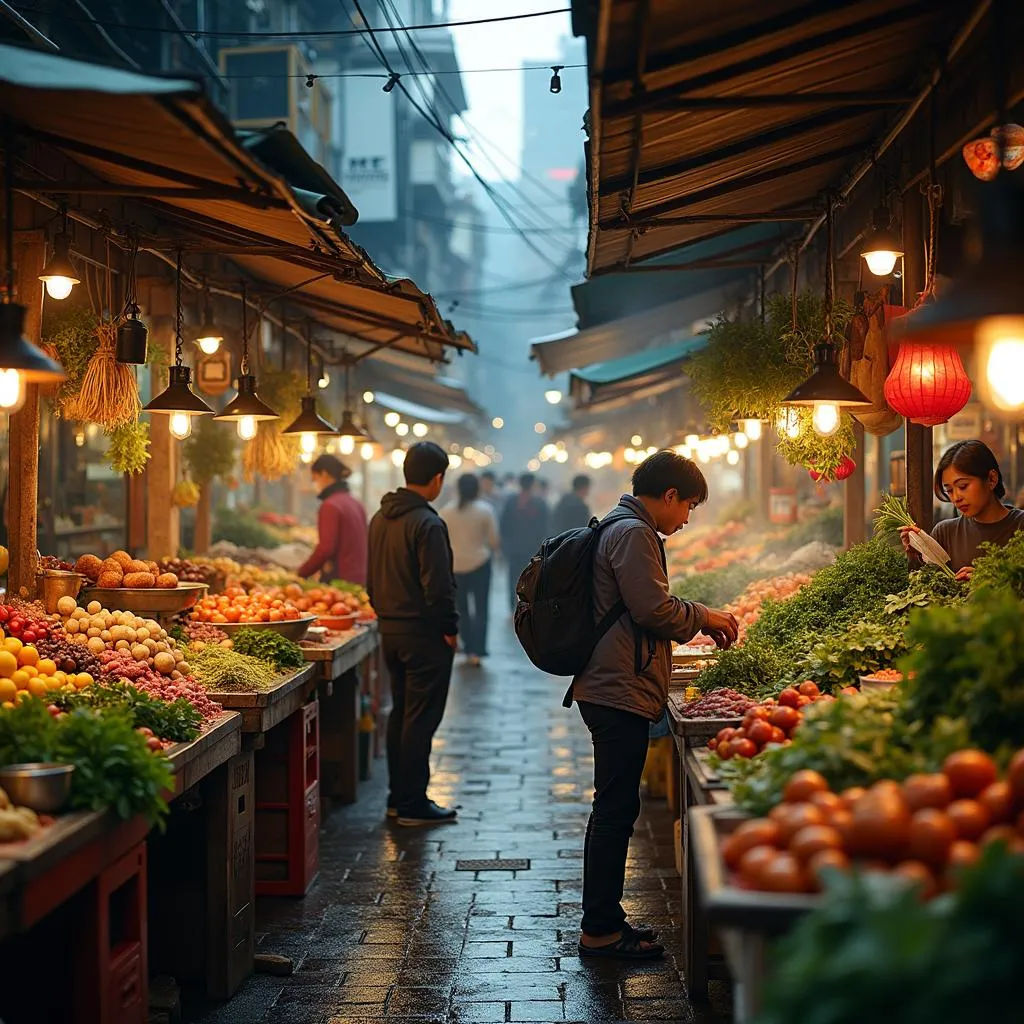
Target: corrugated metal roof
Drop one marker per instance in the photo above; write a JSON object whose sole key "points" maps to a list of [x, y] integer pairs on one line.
{"points": [[692, 130]]}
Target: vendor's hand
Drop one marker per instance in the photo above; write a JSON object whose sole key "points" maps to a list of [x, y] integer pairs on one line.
{"points": [[905, 532], [722, 627], [965, 573], [452, 642]]}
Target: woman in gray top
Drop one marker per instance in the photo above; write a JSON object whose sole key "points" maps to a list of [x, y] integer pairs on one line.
{"points": [[969, 476]]}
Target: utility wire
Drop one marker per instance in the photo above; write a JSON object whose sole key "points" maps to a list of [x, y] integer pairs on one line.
{"points": [[383, 77], [487, 229]]}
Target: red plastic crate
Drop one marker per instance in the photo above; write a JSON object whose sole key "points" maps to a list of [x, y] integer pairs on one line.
{"points": [[287, 818]]}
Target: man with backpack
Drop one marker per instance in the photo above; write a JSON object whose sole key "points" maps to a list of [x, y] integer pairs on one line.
{"points": [[596, 603]]}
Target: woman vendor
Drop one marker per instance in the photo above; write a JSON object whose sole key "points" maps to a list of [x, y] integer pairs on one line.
{"points": [[969, 476]]}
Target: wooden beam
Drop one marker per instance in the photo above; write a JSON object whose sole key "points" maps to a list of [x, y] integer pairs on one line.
{"points": [[675, 99], [768, 217], [56, 188]]}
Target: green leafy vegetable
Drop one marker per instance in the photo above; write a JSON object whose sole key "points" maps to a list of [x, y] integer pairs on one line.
{"points": [[1000, 566], [271, 647], [716, 587], [863, 648], [752, 668], [809, 449], [128, 447], [178, 720]]}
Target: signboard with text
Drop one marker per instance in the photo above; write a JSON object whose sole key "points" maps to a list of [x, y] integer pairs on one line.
{"points": [[369, 169]]}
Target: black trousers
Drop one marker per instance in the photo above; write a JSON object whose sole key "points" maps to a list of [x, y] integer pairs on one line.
{"points": [[421, 670], [473, 599], [620, 750]]}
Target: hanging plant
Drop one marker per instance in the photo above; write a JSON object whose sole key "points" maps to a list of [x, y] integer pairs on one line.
{"points": [[210, 451], [271, 454], [823, 455], [128, 447], [69, 336], [185, 494]]}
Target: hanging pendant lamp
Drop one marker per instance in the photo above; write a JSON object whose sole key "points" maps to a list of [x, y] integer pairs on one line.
{"points": [[826, 390], [348, 427], [246, 409], [132, 332], [309, 424], [178, 401], [59, 274], [882, 246], [209, 336]]}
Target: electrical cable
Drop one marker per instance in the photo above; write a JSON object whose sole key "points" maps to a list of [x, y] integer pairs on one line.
{"points": [[326, 76], [486, 229]]}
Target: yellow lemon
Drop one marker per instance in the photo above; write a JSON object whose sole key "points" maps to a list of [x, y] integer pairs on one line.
{"points": [[20, 680], [8, 690], [13, 644], [28, 655], [47, 667], [37, 687], [84, 679], [8, 664]]}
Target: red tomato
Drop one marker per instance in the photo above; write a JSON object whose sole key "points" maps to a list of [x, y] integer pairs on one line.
{"points": [[809, 689], [802, 784], [743, 747], [970, 818], [783, 873], [759, 733], [969, 772], [927, 791], [997, 799], [786, 717], [931, 834], [789, 697]]}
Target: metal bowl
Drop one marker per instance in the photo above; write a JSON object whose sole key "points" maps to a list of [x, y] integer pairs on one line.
{"points": [[153, 600], [42, 785], [292, 629]]}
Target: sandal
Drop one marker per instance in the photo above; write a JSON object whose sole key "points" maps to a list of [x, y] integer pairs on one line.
{"points": [[628, 947], [644, 932]]}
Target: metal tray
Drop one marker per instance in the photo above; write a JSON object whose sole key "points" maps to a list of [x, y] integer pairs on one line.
{"points": [[156, 600], [726, 903], [292, 629]]}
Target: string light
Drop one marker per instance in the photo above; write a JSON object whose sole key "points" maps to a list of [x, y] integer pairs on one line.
{"points": [[539, 428], [553, 397], [392, 419], [397, 457], [420, 429], [402, 429], [366, 451], [369, 397], [732, 457], [752, 428], [497, 423], [346, 445], [556, 81], [636, 440]]}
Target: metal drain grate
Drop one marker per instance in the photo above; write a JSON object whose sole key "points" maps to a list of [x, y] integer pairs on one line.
{"points": [[508, 864]]}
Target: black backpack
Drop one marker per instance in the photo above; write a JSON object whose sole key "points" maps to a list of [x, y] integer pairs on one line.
{"points": [[554, 619]]}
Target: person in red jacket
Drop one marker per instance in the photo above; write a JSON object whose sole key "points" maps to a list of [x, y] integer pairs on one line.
{"points": [[341, 551]]}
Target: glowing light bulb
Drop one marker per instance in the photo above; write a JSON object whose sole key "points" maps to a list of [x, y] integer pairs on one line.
{"points": [[553, 397], [732, 457], [208, 345], [539, 428], [534, 464], [325, 379], [497, 423], [402, 429], [752, 428], [369, 397], [740, 440], [346, 445], [825, 419], [246, 427], [881, 262], [636, 440], [366, 451], [691, 440], [561, 457], [308, 442], [1001, 342], [12, 391], [392, 419], [420, 429], [59, 287], [397, 457], [180, 424], [307, 457]]}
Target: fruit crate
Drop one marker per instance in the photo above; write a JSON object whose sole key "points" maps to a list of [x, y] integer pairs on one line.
{"points": [[287, 805]]}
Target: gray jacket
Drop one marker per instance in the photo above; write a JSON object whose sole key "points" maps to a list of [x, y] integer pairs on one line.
{"points": [[629, 563]]}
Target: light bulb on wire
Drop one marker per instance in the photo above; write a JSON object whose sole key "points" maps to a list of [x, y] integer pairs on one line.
{"points": [[392, 419], [740, 439], [12, 391], [180, 425], [246, 428], [308, 443], [402, 429], [366, 452], [209, 344], [825, 419], [346, 445], [752, 428], [732, 457]]}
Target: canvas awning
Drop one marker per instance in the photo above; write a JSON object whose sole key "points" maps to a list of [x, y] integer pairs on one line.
{"points": [[162, 142], [415, 411], [711, 114], [443, 393]]}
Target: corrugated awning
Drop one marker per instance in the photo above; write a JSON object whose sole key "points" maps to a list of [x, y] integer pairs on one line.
{"points": [[163, 142], [709, 114], [442, 393]]}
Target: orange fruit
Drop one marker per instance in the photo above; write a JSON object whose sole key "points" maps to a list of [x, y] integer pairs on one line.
{"points": [[8, 690], [47, 667], [28, 655], [8, 664], [30, 670], [20, 680], [37, 687], [13, 644]]}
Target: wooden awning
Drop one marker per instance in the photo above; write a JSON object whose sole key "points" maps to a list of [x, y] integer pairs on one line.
{"points": [[162, 142]]}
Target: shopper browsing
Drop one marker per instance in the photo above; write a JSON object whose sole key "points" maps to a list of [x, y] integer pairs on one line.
{"points": [[341, 547], [412, 588], [624, 688]]}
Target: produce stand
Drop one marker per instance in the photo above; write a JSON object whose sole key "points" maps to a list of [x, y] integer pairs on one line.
{"points": [[338, 662], [262, 710]]}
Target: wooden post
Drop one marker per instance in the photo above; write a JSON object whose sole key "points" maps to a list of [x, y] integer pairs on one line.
{"points": [[854, 527], [765, 467], [918, 438], [204, 519], [23, 437]]}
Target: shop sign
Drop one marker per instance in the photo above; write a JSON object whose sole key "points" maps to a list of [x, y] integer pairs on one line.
{"points": [[213, 373], [369, 170]]}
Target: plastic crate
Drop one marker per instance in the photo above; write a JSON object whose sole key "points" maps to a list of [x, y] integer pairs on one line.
{"points": [[658, 767], [287, 806]]}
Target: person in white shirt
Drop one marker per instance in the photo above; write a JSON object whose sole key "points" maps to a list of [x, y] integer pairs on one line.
{"points": [[473, 531]]}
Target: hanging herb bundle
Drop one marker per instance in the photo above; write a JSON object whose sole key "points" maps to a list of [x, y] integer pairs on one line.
{"points": [[210, 451], [271, 454], [185, 494], [109, 395], [128, 447], [812, 451], [69, 335]]}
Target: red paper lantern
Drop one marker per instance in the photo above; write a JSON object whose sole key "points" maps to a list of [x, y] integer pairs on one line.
{"points": [[928, 383]]}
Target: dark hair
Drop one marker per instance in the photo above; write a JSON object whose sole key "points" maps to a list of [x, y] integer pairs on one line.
{"points": [[469, 489], [581, 481], [974, 458], [423, 461], [332, 466], [666, 470], [526, 481], [489, 474]]}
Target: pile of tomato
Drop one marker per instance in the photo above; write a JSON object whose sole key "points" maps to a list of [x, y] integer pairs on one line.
{"points": [[772, 721], [924, 829], [20, 623], [235, 605]]}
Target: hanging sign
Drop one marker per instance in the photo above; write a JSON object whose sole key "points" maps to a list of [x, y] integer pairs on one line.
{"points": [[213, 373]]}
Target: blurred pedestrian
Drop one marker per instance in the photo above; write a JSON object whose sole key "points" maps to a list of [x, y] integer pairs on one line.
{"points": [[524, 526], [340, 552], [544, 491], [490, 492], [412, 588], [473, 531], [572, 511]]}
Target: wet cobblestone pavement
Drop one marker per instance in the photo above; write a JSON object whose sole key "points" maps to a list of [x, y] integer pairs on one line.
{"points": [[393, 931]]}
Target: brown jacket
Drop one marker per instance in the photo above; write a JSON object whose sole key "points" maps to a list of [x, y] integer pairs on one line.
{"points": [[629, 563]]}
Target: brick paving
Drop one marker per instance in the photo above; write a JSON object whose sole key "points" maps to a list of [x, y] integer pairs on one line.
{"points": [[392, 931]]}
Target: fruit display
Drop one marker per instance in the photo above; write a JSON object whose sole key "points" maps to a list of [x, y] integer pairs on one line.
{"points": [[17, 823], [188, 570], [773, 721], [747, 607], [923, 829], [337, 599], [235, 605], [28, 623], [121, 570], [24, 672], [201, 634], [123, 666], [724, 703], [53, 564]]}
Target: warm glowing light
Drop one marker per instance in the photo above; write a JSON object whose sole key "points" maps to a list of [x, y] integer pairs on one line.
{"points": [[80, 439], [392, 419], [369, 397], [636, 440], [561, 457], [246, 427], [307, 457], [397, 457], [789, 423], [549, 451], [12, 391], [455, 461], [732, 457], [325, 379], [533, 465], [881, 262], [752, 428], [59, 287], [1001, 341], [553, 397], [825, 419], [346, 445], [539, 428], [691, 440], [402, 429], [652, 450], [309, 442], [366, 451], [629, 455], [497, 423], [740, 439], [209, 345], [420, 429], [180, 424]]}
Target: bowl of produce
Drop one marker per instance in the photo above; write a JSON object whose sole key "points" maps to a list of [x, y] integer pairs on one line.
{"points": [[154, 600], [340, 623], [53, 584], [44, 786], [883, 679], [291, 629]]}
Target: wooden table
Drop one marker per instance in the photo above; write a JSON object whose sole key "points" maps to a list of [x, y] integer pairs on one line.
{"points": [[261, 710], [337, 662], [193, 761]]}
